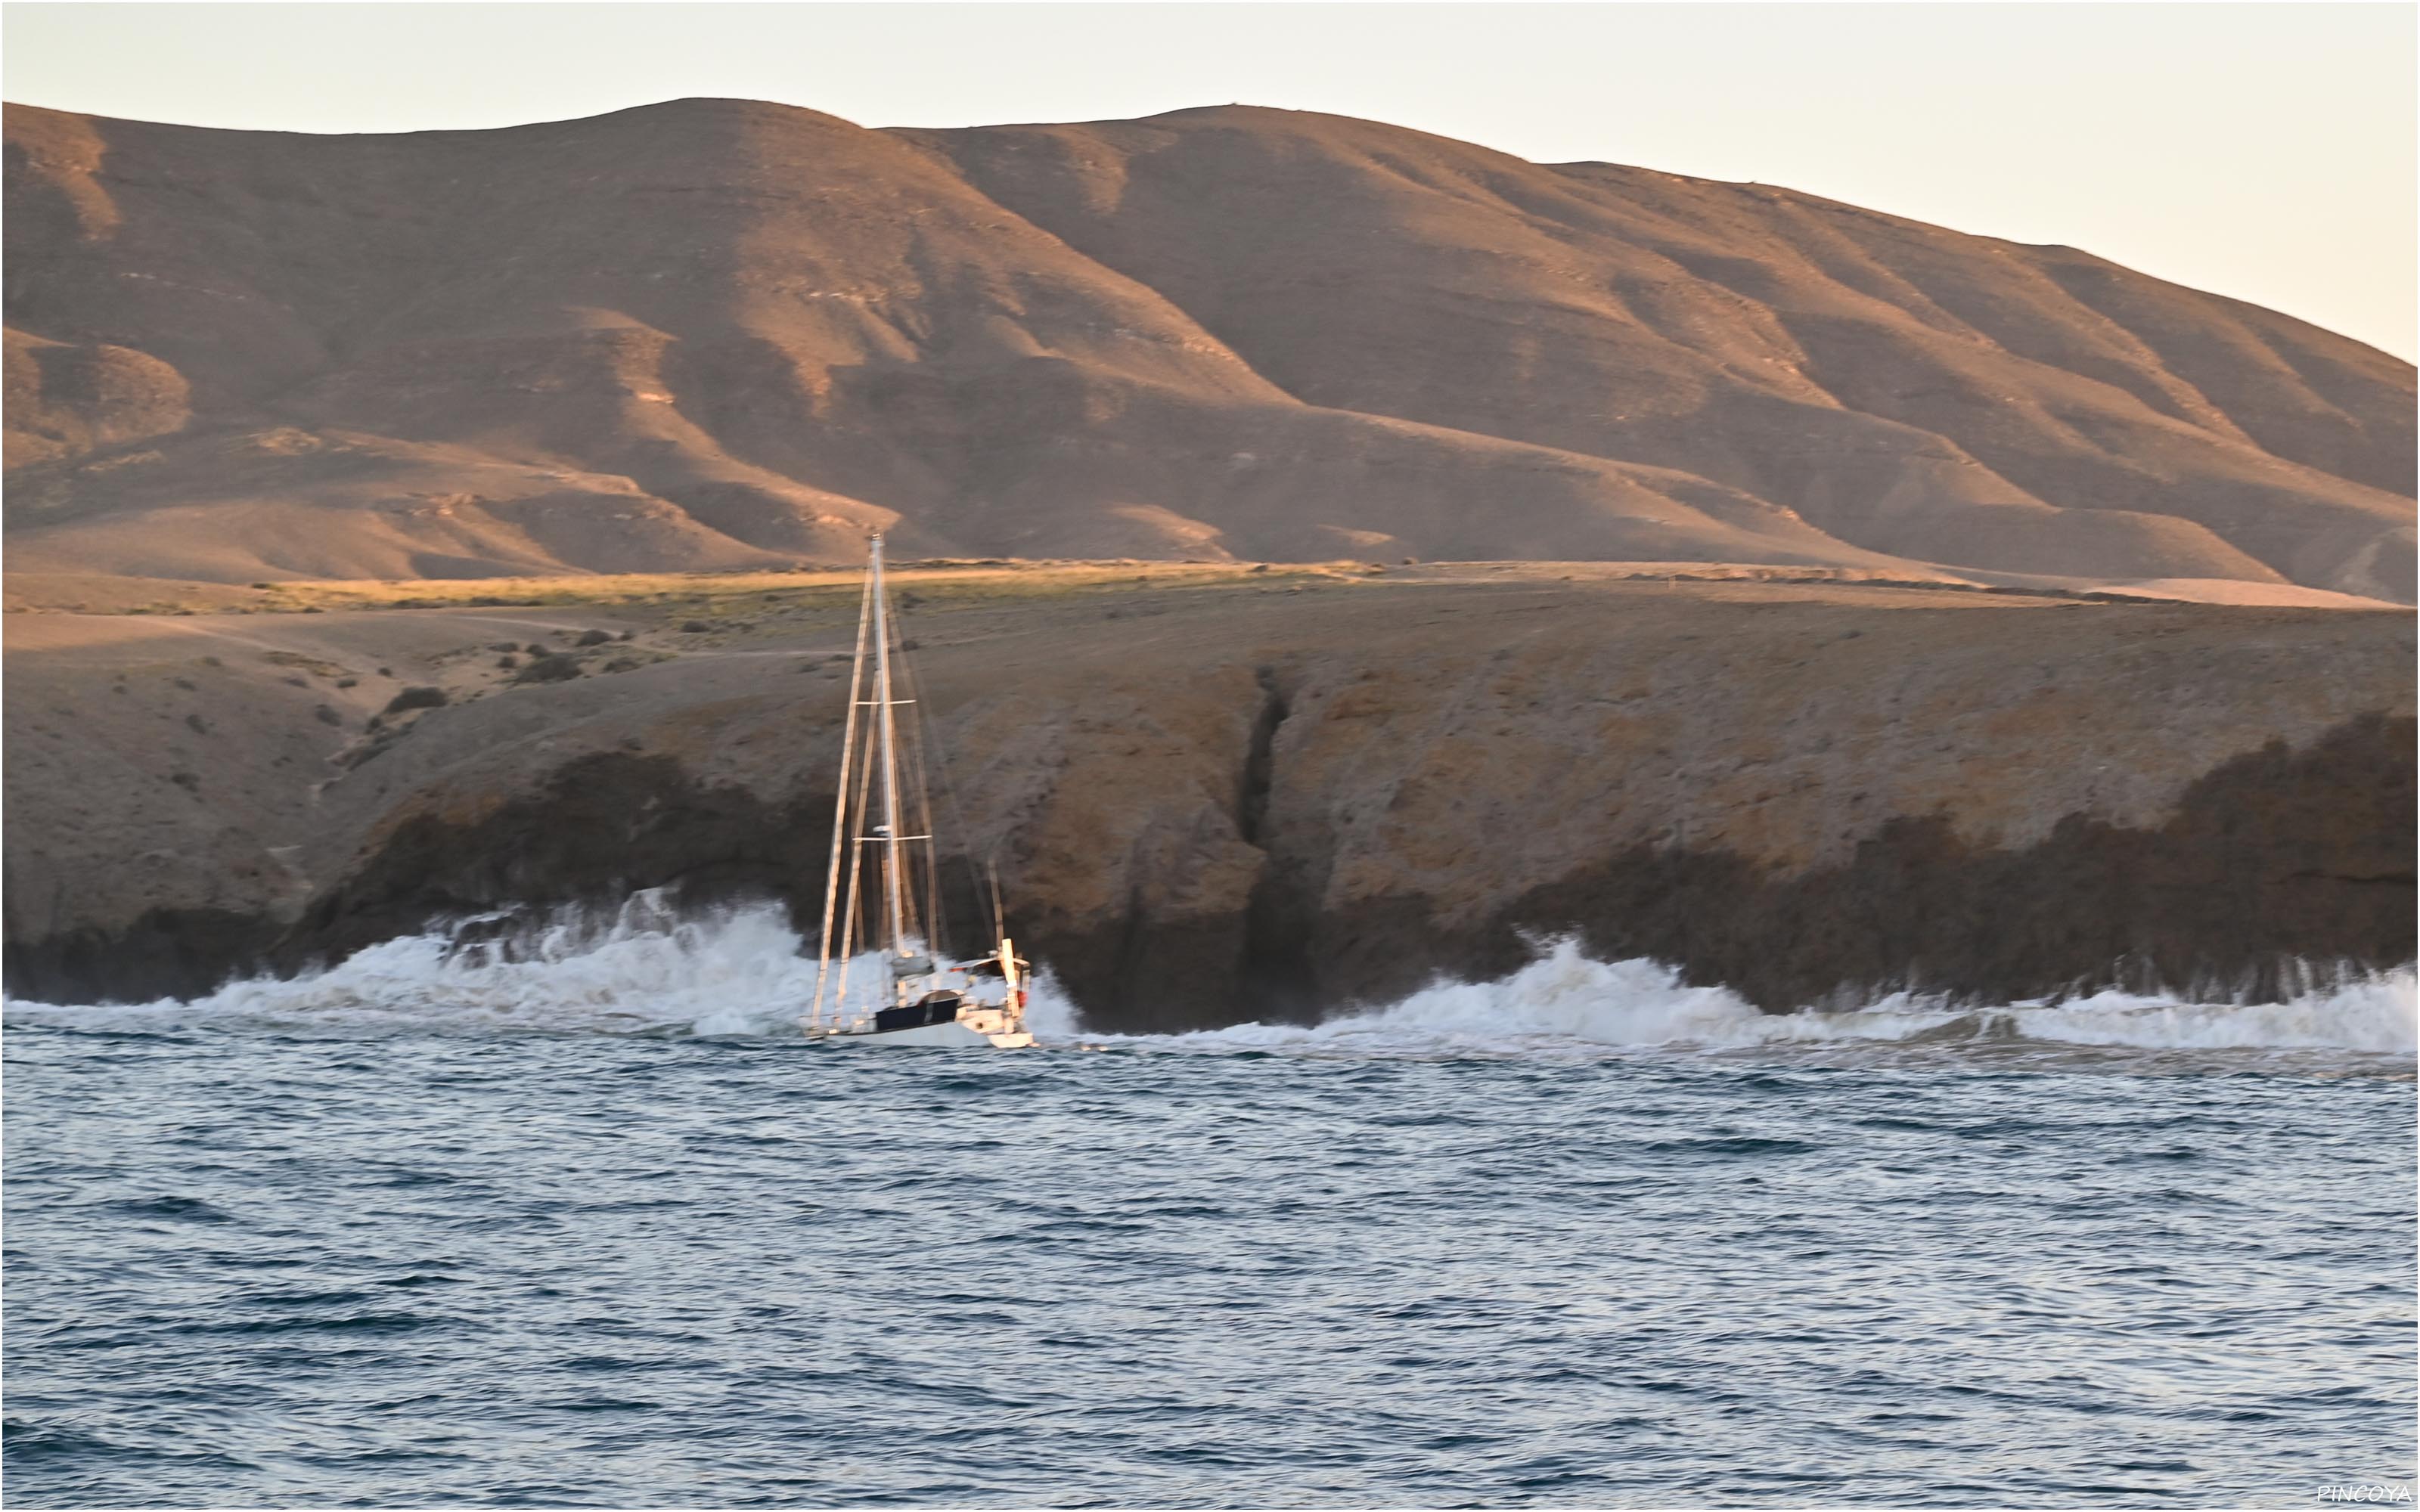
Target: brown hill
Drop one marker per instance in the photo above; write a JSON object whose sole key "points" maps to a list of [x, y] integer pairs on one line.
{"points": [[717, 334]]}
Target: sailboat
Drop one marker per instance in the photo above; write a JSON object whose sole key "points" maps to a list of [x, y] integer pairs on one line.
{"points": [[882, 892]]}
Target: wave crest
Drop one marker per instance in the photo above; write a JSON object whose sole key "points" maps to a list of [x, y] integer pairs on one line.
{"points": [[1565, 999], [644, 969]]}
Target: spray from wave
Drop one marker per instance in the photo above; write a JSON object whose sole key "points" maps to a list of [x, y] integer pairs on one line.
{"points": [[638, 969], [645, 969], [1565, 1001]]}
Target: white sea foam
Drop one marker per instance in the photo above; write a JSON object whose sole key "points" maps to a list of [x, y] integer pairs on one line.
{"points": [[740, 971], [641, 968], [1566, 1000]]}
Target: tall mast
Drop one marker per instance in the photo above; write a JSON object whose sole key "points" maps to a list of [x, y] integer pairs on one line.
{"points": [[840, 815], [891, 871]]}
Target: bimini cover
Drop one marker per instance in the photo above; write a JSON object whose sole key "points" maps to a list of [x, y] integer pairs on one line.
{"points": [[934, 1008]]}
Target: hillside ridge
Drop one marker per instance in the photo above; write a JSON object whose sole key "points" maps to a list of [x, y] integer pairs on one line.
{"points": [[732, 334]]}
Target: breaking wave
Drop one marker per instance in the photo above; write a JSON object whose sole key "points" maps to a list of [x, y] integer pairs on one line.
{"points": [[645, 969], [1565, 1000], [640, 968]]}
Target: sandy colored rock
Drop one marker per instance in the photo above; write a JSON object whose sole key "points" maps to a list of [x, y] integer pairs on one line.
{"points": [[1240, 792]]}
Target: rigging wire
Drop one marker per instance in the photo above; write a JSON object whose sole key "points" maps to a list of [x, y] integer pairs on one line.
{"points": [[857, 899], [920, 735], [930, 722]]}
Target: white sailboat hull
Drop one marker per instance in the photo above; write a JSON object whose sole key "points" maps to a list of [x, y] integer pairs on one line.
{"points": [[959, 1036]]}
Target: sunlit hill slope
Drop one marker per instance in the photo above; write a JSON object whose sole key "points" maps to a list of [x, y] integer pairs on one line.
{"points": [[715, 333]]}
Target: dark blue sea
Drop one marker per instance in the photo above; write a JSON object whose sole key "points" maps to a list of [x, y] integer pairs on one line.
{"points": [[588, 1227]]}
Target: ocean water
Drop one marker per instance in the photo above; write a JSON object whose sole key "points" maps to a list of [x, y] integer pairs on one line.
{"points": [[586, 1226]]}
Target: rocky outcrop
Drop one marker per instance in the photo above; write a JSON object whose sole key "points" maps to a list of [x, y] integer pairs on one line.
{"points": [[2269, 863], [1210, 809]]}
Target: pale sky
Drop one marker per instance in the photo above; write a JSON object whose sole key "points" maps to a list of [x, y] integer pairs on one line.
{"points": [[2262, 151]]}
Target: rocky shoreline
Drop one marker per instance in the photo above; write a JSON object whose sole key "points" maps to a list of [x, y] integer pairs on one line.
{"points": [[1215, 803]]}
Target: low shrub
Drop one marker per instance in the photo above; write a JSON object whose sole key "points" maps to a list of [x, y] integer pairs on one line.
{"points": [[548, 670], [416, 698]]}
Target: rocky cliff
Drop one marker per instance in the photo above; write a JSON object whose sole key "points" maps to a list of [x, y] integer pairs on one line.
{"points": [[1218, 798]]}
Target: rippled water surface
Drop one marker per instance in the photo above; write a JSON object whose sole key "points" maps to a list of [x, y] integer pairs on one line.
{"points": [[264, 1259]]}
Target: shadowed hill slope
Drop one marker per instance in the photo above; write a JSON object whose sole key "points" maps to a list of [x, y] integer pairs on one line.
{"points": [[717, 334]]}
